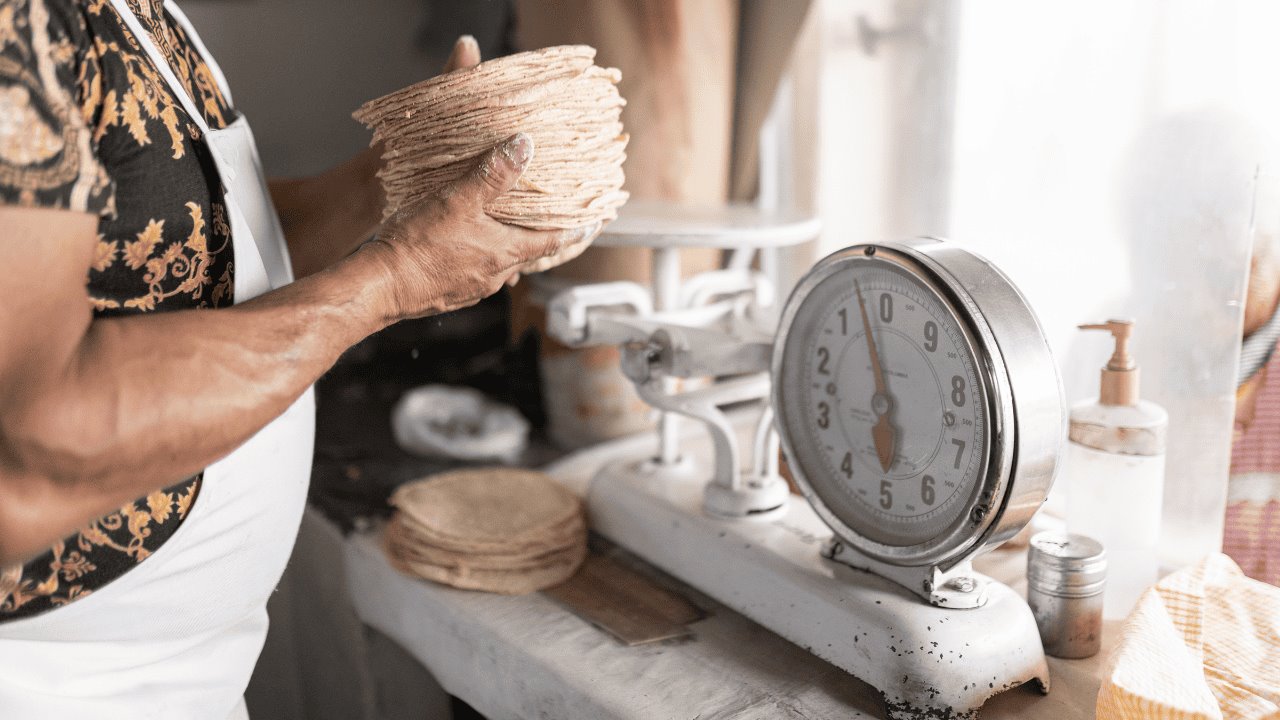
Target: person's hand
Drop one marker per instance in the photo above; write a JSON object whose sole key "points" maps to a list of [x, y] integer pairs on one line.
{"points": [[566, 254], [445, 253], [465, 54]]}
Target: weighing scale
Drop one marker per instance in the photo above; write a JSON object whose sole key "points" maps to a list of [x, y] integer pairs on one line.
{"points": [[913, 393]]}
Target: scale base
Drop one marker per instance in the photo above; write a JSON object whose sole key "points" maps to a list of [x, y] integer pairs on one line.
{"points": [[926, 661]]}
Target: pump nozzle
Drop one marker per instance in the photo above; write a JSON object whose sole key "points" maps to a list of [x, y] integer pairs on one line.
{"points": [[1120, 376]]}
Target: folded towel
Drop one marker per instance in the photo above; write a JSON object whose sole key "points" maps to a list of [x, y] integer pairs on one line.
{"points": [[1202, 644]]}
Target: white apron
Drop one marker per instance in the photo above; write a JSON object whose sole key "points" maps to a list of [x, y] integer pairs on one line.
{"points": [[178, 636]]}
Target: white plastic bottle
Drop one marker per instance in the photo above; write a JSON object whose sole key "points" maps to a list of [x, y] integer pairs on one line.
{"points": [[1114, 471]]}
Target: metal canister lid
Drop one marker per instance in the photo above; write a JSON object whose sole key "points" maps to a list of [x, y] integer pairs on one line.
{"points": [[1066, 565]]}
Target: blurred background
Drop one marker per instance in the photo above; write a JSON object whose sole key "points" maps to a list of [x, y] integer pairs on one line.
{"points": [[1105, 155]]}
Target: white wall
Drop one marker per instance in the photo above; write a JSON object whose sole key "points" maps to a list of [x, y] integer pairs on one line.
{"points": [[885, 118]]}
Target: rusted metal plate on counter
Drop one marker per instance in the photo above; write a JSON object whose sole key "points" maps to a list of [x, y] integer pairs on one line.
{"points": [[624, 603]]}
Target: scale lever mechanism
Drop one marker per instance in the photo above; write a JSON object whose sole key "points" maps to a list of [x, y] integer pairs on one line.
{"points": [[713, 335], [691, 353]]}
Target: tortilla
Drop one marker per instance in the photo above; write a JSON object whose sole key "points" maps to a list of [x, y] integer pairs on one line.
{"points": [[503, 582], [399, 541], [434, 132], [488, 505], [498, 529]]}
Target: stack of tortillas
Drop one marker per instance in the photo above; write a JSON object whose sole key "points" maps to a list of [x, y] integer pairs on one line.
{"points": [[501, 530], [434, 131]]}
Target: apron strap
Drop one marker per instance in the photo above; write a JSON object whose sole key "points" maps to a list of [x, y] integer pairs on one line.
{"points": [[162, 64], [238, 166]]}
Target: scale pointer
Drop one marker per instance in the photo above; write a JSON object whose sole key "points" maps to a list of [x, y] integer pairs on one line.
{"points": [[882, 433]]}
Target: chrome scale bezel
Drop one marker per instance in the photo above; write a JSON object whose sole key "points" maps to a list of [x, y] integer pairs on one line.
{"points": [[1010, 488]]}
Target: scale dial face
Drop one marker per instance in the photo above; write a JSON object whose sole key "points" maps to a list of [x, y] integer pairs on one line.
{"points": [[885, 406]]}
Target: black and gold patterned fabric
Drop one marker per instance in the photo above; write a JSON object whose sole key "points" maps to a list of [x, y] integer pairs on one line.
{"points": [[88, 124]]}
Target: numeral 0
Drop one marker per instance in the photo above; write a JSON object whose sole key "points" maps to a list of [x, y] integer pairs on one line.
{"points": [[930, 336], [886, 307]]}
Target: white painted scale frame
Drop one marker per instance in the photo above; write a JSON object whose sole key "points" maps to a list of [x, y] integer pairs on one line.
{"points": [[935, 638]]}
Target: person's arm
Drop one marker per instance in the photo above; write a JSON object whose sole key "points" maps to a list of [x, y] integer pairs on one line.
{"points": [[97, 412], [326, 216]]}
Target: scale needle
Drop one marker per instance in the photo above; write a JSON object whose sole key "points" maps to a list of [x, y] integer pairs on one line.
{"points": [[882, 433]]}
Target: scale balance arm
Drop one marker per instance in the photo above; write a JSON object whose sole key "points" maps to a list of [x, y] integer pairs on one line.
{"points": [[712, 334]]}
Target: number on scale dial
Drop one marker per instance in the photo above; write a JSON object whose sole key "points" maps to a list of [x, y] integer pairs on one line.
{"points": [[886, 407]]}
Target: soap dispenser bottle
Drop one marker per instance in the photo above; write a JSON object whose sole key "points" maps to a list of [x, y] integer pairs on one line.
{"points": [[1114, 474]]}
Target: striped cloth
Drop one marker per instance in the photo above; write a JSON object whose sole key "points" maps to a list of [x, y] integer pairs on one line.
{"points": [[1252, 535], [1202, 644]]}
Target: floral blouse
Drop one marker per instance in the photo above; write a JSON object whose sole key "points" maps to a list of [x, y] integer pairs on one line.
{"points": [[87, 124]]}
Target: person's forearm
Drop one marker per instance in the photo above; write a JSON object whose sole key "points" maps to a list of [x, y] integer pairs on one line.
{"points": [[325, 217], [144, 401], [97, 412]]}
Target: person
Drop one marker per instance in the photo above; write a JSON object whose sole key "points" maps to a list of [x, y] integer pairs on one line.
{"points": [[162, 325], [1251, 533]]}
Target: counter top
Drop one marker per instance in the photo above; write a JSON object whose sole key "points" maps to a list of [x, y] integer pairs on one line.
{"points": [[527, 656]]}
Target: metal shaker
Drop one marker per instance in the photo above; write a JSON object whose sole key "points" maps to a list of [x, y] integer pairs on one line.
{"points": [[1066, 575]]}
